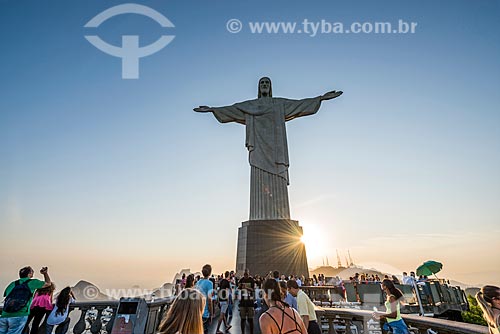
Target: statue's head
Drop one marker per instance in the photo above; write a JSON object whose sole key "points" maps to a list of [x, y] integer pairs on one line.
{"points": [[265, 88]]}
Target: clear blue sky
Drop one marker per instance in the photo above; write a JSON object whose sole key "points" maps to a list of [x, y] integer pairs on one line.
{"points": [[121, 183]]}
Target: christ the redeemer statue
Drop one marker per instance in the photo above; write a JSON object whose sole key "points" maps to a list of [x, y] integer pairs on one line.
{"points": [[266, 142]]}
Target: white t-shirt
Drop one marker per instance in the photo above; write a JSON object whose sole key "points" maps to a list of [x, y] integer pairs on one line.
{"points": [[408, 280], [305, 306], [56, 318]]}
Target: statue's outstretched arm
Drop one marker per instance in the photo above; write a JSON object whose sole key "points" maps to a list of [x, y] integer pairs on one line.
{"points": [[330, 95], [224, 114], [203, 109]]}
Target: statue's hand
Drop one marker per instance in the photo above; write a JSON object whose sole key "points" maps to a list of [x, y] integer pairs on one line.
{"points": [[203, 109], [331, 95]]}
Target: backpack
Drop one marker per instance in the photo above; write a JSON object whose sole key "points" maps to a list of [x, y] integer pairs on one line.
{"points": [[18, 298]]}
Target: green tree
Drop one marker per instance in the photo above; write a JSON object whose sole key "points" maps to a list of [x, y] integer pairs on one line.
{"points": [[474, 315]]}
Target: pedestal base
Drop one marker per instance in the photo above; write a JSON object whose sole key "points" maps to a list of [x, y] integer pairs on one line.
{"points": [[268, 245]]}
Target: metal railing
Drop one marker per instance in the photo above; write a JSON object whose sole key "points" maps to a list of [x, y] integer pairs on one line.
{"points": [[97, 317], [431, 298], [350, 321]]}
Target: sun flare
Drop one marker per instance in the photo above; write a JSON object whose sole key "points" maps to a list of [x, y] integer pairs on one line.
{"points": [[315, 243]]}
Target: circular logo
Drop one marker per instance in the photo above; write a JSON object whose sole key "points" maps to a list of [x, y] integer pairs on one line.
{"points": [[234, 26], [90, 292]]}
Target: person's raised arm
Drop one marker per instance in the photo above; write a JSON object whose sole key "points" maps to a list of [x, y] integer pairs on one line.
{"points": [[45, 272]]}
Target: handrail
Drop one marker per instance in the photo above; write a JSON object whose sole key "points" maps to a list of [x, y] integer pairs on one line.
{"points": [[335, 318], [419, 299]]}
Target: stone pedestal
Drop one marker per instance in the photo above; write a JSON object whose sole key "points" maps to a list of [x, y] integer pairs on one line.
{"points": [[268, 245]]}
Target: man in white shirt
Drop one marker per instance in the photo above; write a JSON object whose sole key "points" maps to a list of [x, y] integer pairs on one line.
{"points": [[305, 307], [407, 280]]}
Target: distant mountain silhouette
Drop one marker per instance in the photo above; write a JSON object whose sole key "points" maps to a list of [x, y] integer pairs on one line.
{"points": [[328, 271], [472, 291], [168, 289], [186, 272], [344, 272], [86, 291], [463, 286]]}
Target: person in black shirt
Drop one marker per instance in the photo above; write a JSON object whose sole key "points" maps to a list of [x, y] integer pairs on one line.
{"points": [[224, 291], [247, 298]]}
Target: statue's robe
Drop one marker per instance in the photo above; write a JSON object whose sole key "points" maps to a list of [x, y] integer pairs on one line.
{"points": [[266, 142]]}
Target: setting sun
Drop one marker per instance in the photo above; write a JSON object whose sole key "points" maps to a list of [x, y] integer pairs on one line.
{"points": [[315, 243]]}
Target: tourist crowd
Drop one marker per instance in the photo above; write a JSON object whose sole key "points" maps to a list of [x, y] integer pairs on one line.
{"points": [[277, 301], [30, 301]]}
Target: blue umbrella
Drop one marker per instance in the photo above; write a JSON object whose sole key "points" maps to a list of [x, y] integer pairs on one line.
{"points": [[429, 267]]}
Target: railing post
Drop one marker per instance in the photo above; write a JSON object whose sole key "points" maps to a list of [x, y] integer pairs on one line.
{"points": [[414, 284], [348, 326], [109, 325], [331, 327], [96, 326], [80, 326]]}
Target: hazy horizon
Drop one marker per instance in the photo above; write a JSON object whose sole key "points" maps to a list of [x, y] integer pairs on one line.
{"points": [[106, 284]]}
